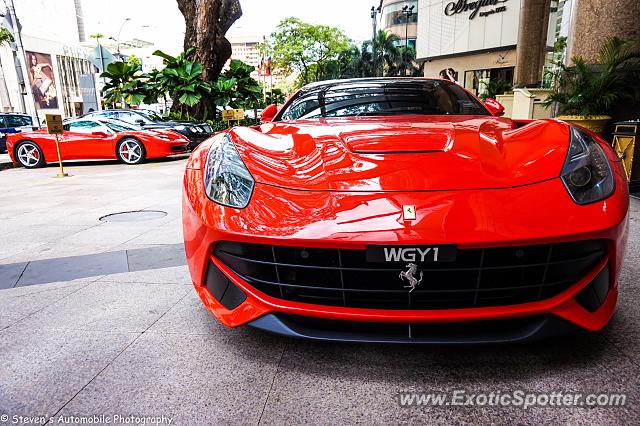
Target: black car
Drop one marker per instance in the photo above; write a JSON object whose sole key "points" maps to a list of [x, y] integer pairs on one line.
{"points": [[13, 122], [195, 132]]}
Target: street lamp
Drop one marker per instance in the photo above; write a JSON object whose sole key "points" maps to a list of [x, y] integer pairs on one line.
{"points": [[118, 40], [408, 12], [374, 19]]}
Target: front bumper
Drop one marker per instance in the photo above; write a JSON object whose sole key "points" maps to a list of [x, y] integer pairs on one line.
{"points": [[535, 214]]}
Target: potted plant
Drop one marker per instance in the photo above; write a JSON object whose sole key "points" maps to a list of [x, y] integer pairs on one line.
{"points": [[494, 88], [585, 94]]}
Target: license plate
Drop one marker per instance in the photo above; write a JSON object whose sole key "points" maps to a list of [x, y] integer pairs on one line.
{"points": [[411, 254]]}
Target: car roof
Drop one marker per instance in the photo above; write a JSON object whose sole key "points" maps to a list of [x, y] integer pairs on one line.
{"points": [[329, 83], [110, 110], [15, 113]]}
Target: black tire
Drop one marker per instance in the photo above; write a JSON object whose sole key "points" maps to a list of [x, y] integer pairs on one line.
{"points": [[137, 151], [29, 155]]}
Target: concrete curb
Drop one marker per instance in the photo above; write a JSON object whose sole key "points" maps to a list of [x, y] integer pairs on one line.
{"points": [[6, 165]]}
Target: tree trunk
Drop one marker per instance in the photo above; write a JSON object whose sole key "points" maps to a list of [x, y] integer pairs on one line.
{"points": [[207, 22]]}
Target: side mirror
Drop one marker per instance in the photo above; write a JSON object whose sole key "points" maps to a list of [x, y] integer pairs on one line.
{"points": [[140, 121], [268, 113], [99, 134], [494, 107]]}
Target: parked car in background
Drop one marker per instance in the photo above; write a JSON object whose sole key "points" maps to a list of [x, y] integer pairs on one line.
{"points": [[13, 122], [147, 119], [95, 139]]}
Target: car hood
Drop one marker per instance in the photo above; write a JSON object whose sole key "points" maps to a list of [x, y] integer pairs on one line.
{"points": [[408, 153]]}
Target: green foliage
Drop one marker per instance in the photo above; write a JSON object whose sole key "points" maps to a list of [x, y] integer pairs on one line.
{"points": [[405, 64], [125, 83], [297, 45], [5, 36], [355, 62], [383, 56], [181, 79], [581, 89], [386, 51], [237, 87], [494, 88], [134, 61], [275, 96]]}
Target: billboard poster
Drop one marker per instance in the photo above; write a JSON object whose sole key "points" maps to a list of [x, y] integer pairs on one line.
{"points": [[43, 84]]}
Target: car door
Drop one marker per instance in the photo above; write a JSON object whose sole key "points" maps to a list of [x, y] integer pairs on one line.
{"points": [[87, 139]]}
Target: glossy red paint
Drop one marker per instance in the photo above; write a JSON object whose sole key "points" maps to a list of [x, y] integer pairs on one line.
{"points": [[95, 146], [475, 181]]}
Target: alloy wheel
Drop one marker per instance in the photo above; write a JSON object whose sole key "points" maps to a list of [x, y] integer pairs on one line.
{"points": [[130, 151], [28, 154]]}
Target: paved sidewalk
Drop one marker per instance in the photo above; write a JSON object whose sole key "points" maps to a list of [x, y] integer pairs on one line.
{"points": [[100, 318]]}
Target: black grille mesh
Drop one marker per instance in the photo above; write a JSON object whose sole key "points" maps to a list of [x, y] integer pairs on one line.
{"points": [[478, 277]]}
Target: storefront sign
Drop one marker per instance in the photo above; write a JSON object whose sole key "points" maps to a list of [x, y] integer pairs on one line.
{"points": [[460, 6]]}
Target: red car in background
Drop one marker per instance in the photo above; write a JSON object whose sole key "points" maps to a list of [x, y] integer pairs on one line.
{"points": [[95, 139]]}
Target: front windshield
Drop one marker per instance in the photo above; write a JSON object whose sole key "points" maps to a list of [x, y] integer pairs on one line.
{"points": [[118, 126], [151, 115], [382, 97]]}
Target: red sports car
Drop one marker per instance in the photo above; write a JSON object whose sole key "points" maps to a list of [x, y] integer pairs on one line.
{"points": [[405, 210], [94, 139]]}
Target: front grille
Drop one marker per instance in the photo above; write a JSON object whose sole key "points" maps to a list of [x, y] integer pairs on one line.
{"points": [[477, 278]]}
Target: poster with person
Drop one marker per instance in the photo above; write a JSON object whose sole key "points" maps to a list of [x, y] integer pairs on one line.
{"points": [[42, 80]]}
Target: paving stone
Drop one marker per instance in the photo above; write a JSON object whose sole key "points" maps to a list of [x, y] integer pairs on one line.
{"points": [[41, 371]]}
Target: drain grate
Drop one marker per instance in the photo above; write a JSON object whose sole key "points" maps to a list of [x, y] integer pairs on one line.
{"points": [[134, 216]]}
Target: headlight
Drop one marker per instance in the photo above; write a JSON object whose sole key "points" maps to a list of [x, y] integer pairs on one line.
{"points": [[587, 173], [163, 137], [226, 179]]}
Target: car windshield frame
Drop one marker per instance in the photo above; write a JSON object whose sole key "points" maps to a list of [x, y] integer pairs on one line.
{"points": [[381, 97]]}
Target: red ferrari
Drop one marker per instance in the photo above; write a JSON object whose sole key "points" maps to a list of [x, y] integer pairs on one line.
{"points": [[405, 210], [94, 139]]}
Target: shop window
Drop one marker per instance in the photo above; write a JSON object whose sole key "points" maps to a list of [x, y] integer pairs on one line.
{"points": [[475, 80]]}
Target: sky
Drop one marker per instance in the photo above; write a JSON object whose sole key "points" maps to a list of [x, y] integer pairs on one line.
{"points": [[160, 21]]}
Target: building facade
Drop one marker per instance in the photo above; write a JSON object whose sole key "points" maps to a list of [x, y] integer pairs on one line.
{"points": [[470, 45], [515, 41], [48, 79], [245, 49], [394, 20]]}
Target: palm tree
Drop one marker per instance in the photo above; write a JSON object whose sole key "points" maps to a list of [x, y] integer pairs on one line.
{"points": [[6, 38], [355, 62], [581, 89], [405, 64], [386, 51]]}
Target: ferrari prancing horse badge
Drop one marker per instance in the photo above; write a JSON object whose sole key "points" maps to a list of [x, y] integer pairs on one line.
{"points": [[409, 212]]}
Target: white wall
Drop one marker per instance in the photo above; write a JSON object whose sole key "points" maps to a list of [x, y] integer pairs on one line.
{"points": [[439, 34], [48, 19]]}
